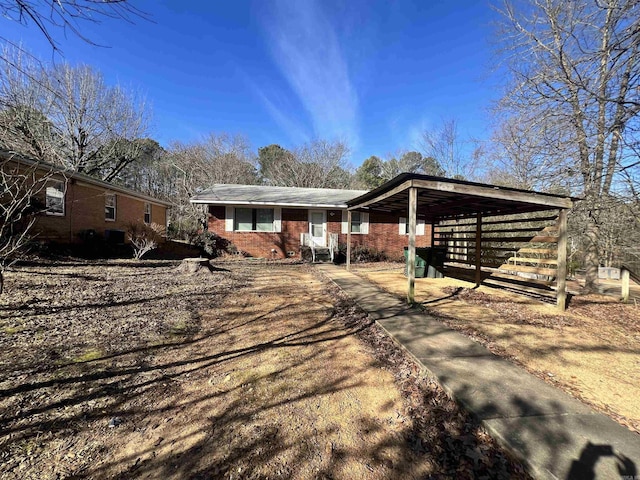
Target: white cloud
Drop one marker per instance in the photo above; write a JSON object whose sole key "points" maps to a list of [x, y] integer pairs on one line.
{"points": [[407, 130], [305, 46]]}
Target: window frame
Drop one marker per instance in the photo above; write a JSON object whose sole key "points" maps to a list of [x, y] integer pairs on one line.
{"points": [[358, 222], [364, 223], [62, 190], [254, 220], [146, 217], [107, 206]]}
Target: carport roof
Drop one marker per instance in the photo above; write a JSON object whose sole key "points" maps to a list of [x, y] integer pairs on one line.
{"points": [[444, 198]]}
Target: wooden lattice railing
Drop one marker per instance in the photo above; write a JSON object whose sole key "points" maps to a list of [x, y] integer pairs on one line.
{"points": [[515, 245]]}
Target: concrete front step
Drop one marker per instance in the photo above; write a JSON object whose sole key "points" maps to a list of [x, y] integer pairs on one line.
{"points": [[323, 255]]}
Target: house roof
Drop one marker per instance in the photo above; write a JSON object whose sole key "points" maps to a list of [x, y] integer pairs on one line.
{"points": [[17, 157], [226, 194], [441, 198]]}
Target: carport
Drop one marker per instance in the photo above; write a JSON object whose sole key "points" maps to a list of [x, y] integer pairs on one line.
{"points": [[487, 220]]}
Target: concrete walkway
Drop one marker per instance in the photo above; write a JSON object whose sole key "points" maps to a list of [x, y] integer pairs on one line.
{"points": [[556, 435]]}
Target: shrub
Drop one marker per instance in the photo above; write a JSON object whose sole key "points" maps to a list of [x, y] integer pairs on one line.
{"points": [[363, 254], [143, 237], [213, 245]]}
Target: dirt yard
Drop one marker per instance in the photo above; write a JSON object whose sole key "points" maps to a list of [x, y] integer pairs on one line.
{"points": [[122, 369], [592, 351]]}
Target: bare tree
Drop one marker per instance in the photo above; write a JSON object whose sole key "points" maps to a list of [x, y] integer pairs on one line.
{"points": [[21, 185], [322, 164], [68, 116], [218, 158], [446, 145], [575, 70], [517, 158], [67, 15], [316, 164]]}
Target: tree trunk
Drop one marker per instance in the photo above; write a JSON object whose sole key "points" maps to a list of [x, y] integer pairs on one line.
{"points": [[591, 257], [193, 265], [1, 282]]}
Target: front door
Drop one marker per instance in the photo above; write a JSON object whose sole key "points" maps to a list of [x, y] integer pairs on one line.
{"points": [[318, 227]]}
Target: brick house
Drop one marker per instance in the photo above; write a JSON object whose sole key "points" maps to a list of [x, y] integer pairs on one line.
{"points": [[76, 205], [265, 221]]}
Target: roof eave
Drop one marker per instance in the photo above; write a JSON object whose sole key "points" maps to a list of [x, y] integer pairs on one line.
{"points": [[17, 157], [269, 204]]}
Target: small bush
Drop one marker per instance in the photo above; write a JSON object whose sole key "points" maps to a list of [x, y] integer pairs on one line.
{"points": [[213, 245], [143, 237], [362, 254]]}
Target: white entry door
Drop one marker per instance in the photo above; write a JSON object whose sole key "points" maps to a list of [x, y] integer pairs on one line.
{"points": [[318, 227]]}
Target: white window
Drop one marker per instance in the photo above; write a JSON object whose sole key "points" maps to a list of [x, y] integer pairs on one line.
{"points": [[55, 198], [254, 219], [110, 206], [147, 213], [359, 222], [403, 226]]}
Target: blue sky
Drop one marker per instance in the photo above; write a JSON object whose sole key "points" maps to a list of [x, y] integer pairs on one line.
{"points": [[373, 73]]}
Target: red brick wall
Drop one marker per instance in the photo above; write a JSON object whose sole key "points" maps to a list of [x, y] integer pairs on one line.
{"points": [[383, 233], [84, 210]]}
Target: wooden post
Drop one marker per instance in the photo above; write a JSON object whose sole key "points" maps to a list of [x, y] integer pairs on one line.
{"points": [[478, 249], [433, 234], [348, 240], [411, 266], [561, 293], [624, 277]]}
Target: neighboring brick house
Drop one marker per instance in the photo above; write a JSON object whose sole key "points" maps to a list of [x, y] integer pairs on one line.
{"points": [[267, 221], [76, 205]]}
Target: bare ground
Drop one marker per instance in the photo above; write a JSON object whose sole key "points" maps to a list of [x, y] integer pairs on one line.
{"points": [[124, 369], [592, 351]]}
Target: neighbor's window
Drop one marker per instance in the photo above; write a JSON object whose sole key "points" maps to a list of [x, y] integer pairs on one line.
{"points": [[253, 219], [109, 206], [147, 213], [55, 198]]}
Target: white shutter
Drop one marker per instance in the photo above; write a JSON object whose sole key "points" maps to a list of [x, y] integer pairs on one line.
{"points": [[345, 226], [402, 226], [277, 219], [364, 223], [420, 227], [228, 219]]}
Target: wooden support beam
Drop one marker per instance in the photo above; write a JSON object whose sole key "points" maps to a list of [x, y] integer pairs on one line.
{"points": [[624, 277], [403, 186], [540, 251], [479, 249], [348, 240], [504, 230], [433, 234], [411, 266], [561, 292], [549, 272], [495, 193], [536, 239], [522, 220], [539, 261]]}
